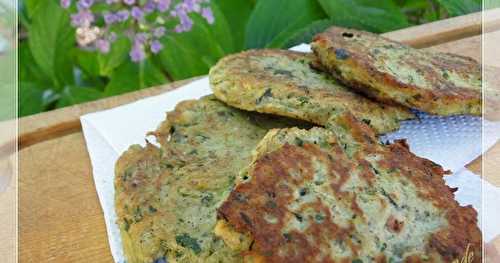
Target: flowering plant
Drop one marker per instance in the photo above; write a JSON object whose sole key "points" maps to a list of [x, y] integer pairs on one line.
{"points": [[73, 51], [99, 23]]}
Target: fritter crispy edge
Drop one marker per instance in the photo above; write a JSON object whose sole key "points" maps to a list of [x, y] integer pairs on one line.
{"points": [[304, 94], [166, 197], [438, 83], [252, 200]]}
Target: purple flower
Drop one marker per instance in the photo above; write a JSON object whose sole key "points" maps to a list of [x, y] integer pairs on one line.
{"points": [[82, 19], [84, 4], [149, 7], [122, 15], [112, 37], [159, 32], [65, 3], [163, 5], [140, 38], [208, 15], [156, 46], [178, 9], [145, 34], [110, 18], [185, 22], [137, 13], [102, 45], [191, 6], [137, 53]]}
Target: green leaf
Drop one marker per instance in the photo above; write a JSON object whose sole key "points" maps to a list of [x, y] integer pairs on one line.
{"points": [[421, 11], [415, 4], [24, 19], [305, 35], [236, 13], [50, 39], [29, 71], [74, 95], [460, 7], [87, 73], [30, 99], [181, 60], [88, 62], [34, 99], [219, 29], [31, 6], [132, 76], [273, 20], [116, 56], [192, 53], [375, 16]]}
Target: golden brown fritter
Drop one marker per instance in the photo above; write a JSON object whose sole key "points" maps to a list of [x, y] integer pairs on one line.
{"points": [[166, 198], [338, 195], [282, 82], [391, 72]]}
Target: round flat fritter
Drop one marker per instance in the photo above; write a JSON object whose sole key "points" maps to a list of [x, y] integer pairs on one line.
{"points": [[282, 82], [338, 195], [166, 198], [391, 72]]}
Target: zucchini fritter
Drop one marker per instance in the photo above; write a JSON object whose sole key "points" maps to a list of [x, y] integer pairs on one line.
{"points": [[391, 72], [282, 82], [338, 195], [166, 198]]}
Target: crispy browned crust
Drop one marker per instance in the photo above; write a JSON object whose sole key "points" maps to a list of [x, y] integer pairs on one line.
{"points": [[166, 197], [438, 83], [270, 207], [282, 82]]}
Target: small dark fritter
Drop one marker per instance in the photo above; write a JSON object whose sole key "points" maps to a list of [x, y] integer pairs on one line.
{"points": [[338, 195], [283, 82], [166, 198], [391, 72]]}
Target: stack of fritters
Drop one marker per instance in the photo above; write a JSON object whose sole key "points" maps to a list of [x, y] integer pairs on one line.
{"points": [[338, 195], [166, 198], [324, 194], [282, 82]]}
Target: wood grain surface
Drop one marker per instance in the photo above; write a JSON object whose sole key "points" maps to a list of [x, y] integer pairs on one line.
{"points": [[448, 30], [48, 125], [60, 217]]}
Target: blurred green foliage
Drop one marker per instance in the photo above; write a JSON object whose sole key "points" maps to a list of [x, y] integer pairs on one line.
{"points": [[54, 72]]}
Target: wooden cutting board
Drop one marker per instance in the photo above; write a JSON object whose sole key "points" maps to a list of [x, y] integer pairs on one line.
{"points": [[60, 219]]}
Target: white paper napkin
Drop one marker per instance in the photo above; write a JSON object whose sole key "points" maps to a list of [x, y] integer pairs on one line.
{"points": [[450, 141], [109, 133]]}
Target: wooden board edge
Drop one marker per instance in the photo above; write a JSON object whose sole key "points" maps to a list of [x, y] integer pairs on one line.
{"points": [[447, 30], [49, 125]]}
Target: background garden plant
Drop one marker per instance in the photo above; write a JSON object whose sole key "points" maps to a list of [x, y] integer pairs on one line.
{"points": [[81, 50]]}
